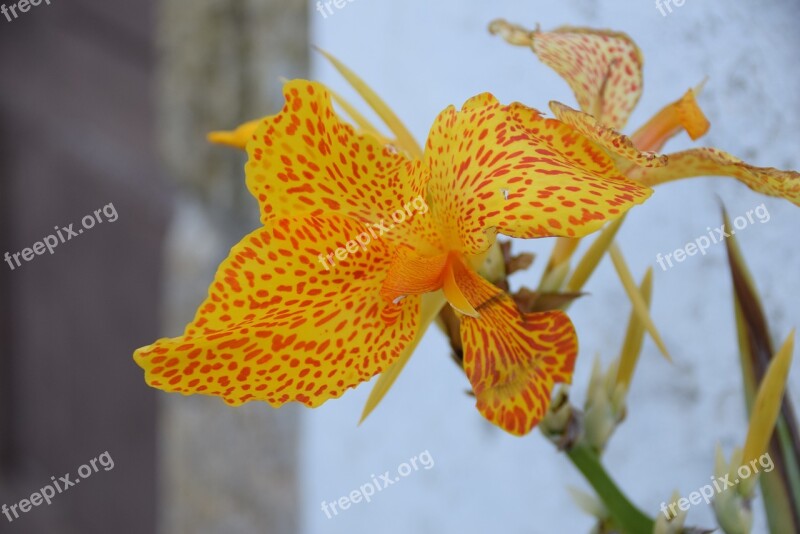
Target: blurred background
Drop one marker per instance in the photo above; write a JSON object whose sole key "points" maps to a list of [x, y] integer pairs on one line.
{"points": [[109, 102]]}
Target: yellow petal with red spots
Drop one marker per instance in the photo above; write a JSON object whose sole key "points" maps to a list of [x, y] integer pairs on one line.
{"points": [[412, 227], [507, 169], [278, 327], [305, 160], [684, 114], [603, 68], [619, 146], [243, 134], [512, 359], [713, 162]]}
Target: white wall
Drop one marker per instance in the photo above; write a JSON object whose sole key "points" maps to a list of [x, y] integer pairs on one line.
{"points": [[422, 56]]}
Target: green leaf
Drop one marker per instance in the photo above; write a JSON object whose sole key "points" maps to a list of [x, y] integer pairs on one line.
{"points": [[558, 265], [781, 486], [634, 337], [591, 259], [640, 307]]}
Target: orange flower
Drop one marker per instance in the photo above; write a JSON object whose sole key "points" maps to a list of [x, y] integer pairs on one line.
{"points": [[277, 327]]}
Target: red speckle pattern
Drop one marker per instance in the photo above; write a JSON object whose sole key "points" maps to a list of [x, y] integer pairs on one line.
{"points": [[507, 169], [714, 162], [512, 359], [306, 160], [277, 327], [604, 69], [618, 146]]}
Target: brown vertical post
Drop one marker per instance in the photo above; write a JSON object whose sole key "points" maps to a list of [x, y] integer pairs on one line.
{"points": [[76, 134], [223, 469]]}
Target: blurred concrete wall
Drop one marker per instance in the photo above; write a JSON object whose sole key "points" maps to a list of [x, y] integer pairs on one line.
{"points": [[76, 134], [223, 469]]}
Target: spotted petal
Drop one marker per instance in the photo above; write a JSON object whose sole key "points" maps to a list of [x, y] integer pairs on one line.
{"points": [[603, 68], [713, 162], [305, 160], [507, 169], [278, 327], [619, 146], [512, 359]]}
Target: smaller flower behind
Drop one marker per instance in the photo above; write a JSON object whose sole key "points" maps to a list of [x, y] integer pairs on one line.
{"points": [[277, 328], [604, 70]]}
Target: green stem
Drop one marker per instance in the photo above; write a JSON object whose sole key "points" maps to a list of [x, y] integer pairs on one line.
{"points": [[628, 518]]}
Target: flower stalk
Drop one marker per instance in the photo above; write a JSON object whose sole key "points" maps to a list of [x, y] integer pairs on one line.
{"points": [[564, 426], [625, 514]]}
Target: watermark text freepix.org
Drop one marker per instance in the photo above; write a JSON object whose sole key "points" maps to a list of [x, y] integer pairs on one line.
{"points": [[23, 5], [707, 492], [61, 236], [364, 238], [46, 493], [366, 491], [324, 7], [715, 235], [661, 5]]}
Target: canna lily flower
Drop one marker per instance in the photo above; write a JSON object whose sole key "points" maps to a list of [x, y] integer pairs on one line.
{"points": [[604, 70], [276, 327]]}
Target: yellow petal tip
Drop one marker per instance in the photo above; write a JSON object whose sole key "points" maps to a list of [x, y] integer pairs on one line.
{"points": [[222, 138], [237, 138]]}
